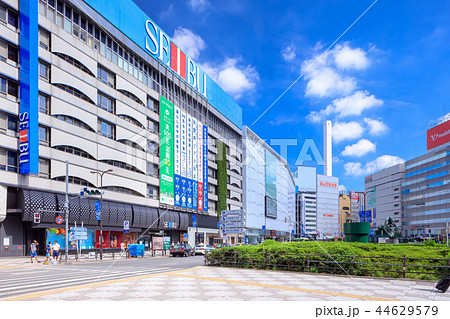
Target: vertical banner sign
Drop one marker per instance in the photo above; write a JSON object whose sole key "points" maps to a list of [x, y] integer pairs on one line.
{"points": [[189, 161], [200, 166], [166, 153], [28, 93], [194, 163], [205, 168], [177, 145], [183, 160]]}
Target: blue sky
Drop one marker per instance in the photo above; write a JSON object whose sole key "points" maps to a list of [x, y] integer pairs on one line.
{"points": [[381, 84]]}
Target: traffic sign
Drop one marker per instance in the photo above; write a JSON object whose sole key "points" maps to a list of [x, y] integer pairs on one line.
{"points": [[233, 225], [98, 210], [233, 212], [236, 231], [126, 226], [59, 220], [75, 229], [37, 218], [233, 218]]}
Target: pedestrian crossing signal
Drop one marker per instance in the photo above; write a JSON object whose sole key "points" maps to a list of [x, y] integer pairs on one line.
{"points": [[37, 218]]}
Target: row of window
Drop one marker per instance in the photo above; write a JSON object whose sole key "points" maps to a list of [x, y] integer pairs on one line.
{"points": [[95, 37], [423, 187], [419, 205], [428, 160], [442, 192], [428, 221], [427, 169], [418, 180]]}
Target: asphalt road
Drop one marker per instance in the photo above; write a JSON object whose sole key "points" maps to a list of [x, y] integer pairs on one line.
{"points": [[24, 280]]}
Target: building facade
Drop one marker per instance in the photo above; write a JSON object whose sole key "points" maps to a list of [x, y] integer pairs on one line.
{"points": [[269, 191], [383, 194], [327, 206], [306, 201], [81, 82], [426, 193]]}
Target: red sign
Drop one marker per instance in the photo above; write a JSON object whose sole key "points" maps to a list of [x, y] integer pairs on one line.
{"points": [[59, 220], [328, 184], [354, 195], [438, 135]]}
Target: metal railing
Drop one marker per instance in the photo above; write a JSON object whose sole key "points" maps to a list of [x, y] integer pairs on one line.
{"points": [[376, 266]]}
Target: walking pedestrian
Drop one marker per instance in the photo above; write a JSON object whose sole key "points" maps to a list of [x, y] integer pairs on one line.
{"points": [[122, 247], [48, 254], [33, 251], [56, 248]]}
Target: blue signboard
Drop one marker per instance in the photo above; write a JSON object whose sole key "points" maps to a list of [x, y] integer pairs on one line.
{"points": [[362, 216], [264, 229], [194, 220], [205, 168], [149, 36], [28, 93], [368, 216], [98, 210]]}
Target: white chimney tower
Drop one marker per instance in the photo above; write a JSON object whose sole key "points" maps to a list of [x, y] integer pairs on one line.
{"points": [[327, 153]]}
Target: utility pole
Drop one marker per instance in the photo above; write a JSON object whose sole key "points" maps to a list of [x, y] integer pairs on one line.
{"points": [[101, 207], [66, 209]]}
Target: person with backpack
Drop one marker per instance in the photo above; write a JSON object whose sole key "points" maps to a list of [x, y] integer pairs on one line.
{"points": [[33, 251]]}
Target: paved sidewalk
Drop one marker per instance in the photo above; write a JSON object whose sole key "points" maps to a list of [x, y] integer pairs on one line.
{"points": [[223, 284], [24, 261]]}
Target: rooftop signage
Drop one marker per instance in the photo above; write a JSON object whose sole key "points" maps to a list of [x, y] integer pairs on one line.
{"points": [[126, 16], [438, 135]]}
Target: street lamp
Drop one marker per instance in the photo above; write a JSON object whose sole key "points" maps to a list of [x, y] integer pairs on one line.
{"points": [[101, 173]]}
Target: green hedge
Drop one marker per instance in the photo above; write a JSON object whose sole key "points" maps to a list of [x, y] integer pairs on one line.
{"points": [[295, 256]]}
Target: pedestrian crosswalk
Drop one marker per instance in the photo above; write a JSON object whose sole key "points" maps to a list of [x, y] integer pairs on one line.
{"points": [[15, 282]]}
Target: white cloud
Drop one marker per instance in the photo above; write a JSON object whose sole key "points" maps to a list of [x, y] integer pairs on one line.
{"points": [[326, 77], [289, 53], [342, 188], [354, 104], [375, 127], [199, 5], [325, 82], [359, 149], [233, 78], [192, 44], [346, 131], [382, 162], [348, 58]]}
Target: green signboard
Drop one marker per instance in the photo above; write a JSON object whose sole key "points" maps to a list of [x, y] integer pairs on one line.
{"points": [[166, 170], [371, 201], [271, 184]]}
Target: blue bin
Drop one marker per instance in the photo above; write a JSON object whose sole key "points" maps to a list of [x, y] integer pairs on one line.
{"points": [[136, 250]]}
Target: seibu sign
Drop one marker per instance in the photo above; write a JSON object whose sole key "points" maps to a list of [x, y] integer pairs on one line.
{"points": [[159, 45], [438, 135]]}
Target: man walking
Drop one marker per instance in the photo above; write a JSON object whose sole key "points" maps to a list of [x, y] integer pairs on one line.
{"points": [[48, 254], [33, 251], [56, 248]]}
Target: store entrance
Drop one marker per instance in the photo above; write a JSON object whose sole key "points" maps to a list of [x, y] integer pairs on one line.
{"points": [[39, 235]]}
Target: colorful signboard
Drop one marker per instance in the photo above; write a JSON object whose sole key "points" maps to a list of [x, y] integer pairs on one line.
{"points": [[149, 36], [183, 167], [194, 163], [200, 166], [177, 151], [438, 135], [354, 196], [189, 160], [166, 153], [28, 93], [205, 168], [371, 199], [270, 184]]}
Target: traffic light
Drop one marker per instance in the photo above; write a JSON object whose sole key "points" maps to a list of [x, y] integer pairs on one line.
{"points": [[37, 218], [91, 192]]}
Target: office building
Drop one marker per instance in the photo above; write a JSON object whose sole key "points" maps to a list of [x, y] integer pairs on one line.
{"points": [[269, 192], [383, 195], [101, 86], [327, 206], [306, 201]]}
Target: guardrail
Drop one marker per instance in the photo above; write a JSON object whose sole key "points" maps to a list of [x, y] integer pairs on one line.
{"points": [[376, 266]]}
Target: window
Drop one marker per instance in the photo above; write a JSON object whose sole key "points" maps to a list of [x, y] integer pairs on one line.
{"points": [[152, 191], [12, 123], [44, 168], [131, 96], [131, 120], [106, 129], [44, 39], [106, 76], [74, 150], [9, 87], [74, 62], [74, 121], [105, 102], [74, 91], [44, 103], [152, 105], [8, 160], [152, 169], [8, 124], [44, 135], [122, 165], [44, 70], [9, 17], [8, 52], [152, 126]]}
